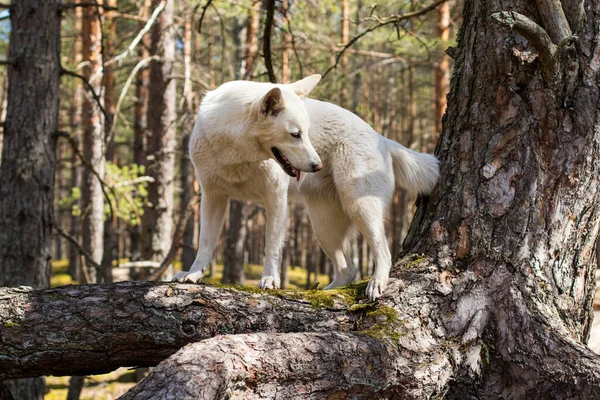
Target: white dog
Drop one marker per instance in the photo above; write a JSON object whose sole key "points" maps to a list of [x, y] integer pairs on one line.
{"points": [[250, 136]]}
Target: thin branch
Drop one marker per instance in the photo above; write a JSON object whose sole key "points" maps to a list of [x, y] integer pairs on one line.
{"points": [[204, 8], [393, 19], [87, 83], [140, 264], [139, 36], [131, 17], [535, 34], [139, 179], [177, 236], [298, 59], [270, 7], [69, 6], [86, 163], [132, 75], [80, 248]]}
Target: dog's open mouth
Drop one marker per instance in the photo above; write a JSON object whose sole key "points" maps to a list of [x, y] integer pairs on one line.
{"points": [[285, 164]]}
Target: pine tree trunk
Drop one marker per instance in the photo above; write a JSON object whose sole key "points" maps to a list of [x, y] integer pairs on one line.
{"points": [[158, 216], [75, 114], [110, 241], [188, 180], [252, 26], [92, 196], [28, 155], [233, 266], [442, 66], [140, 124]]}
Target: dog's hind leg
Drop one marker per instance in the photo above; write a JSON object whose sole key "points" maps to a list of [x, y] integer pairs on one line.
{"points": [[368, 214], [332, 227], [212, 212]]}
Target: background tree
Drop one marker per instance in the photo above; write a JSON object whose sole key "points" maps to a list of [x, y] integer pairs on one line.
{"points": [[28, 161], [158, 221], [92, 120]]}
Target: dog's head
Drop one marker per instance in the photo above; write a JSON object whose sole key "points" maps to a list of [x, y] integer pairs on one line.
{"points": [[282, 125]]}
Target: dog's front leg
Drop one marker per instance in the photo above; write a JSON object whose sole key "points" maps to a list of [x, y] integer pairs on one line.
{"points": [[212, 213], [276, 209]]}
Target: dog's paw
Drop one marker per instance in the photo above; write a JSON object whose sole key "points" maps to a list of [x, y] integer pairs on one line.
{"points": [[191, 277], [375, 287], [269, 282]]}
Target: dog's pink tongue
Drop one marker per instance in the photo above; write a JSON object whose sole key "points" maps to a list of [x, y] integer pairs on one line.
{"points": [[298, 174]]}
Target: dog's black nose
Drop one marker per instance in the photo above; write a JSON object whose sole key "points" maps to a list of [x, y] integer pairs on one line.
{"points": [[317, 167]]}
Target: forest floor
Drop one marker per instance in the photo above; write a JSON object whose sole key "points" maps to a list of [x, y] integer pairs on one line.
{"points": [[111, 386]]}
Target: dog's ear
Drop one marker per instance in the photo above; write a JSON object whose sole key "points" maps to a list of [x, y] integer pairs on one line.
{"points": [[272, 103], [303, 87]]}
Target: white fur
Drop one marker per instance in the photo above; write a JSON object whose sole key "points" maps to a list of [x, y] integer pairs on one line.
{"points": [[231, 151]]}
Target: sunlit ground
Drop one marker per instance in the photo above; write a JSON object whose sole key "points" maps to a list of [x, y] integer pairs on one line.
{"points": [[111, 386]]}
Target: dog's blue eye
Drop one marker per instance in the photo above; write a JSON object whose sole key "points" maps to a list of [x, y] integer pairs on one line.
{"points": [[295, 134]]}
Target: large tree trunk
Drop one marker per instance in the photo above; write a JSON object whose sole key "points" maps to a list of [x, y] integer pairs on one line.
{"points": [[97, 328], [28, 154], [92, 196], [158, 220], [515, 214]]}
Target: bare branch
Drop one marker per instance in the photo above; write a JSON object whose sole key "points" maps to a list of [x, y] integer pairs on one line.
{"points": [[140, 264], [118, 59], [270, 7], [91, 168], [89, 87], [393, 19], [204, 8], [535, 34], [79, 248], [143, 63], [298, 59]]}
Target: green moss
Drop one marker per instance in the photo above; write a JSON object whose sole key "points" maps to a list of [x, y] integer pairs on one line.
{"points": [[485, 353], [387, 325], [346, 295], [11, 324], [410, 261]]}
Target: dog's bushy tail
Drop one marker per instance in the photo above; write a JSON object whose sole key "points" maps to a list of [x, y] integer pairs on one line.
{"points": [[414, 171]]}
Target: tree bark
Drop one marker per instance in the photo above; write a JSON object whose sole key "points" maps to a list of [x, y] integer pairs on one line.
{"points": [[28, 155], [276, 366], [158, 220], [233, 259], [110, 239], [442, 66], [345, 34], [75, 115], [252, 25], [92, 196], [140, 124], [97, 328]]}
